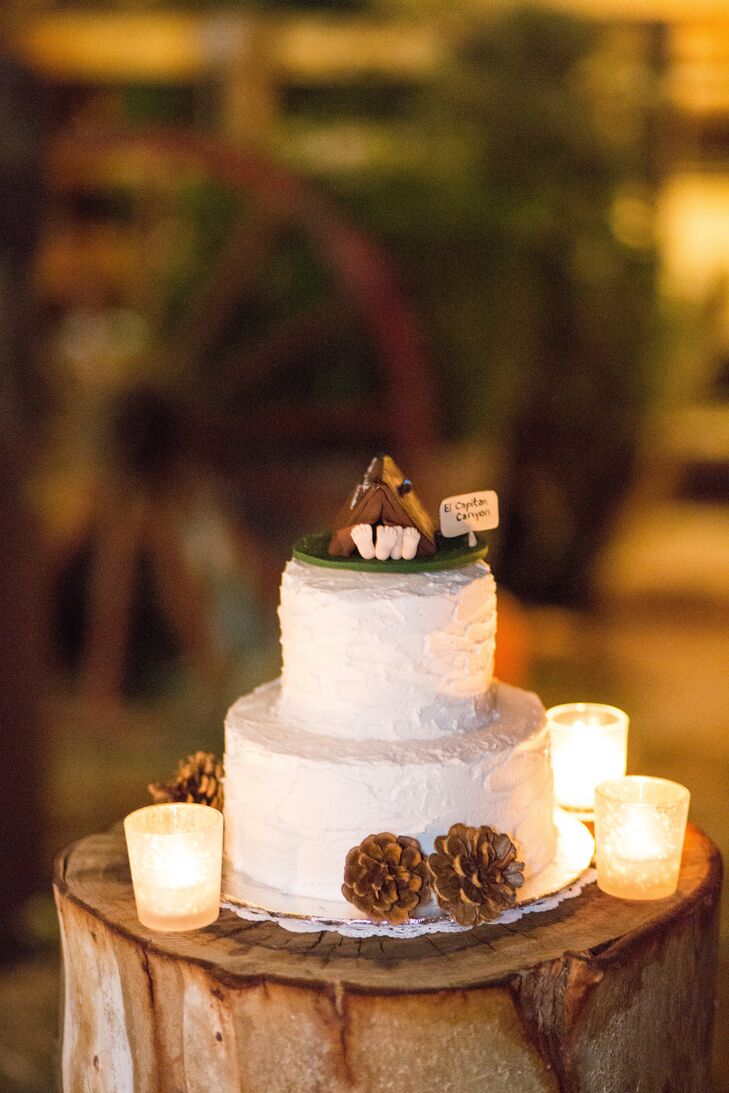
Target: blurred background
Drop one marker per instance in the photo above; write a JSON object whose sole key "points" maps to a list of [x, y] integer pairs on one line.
{"points": [[245, 246]]}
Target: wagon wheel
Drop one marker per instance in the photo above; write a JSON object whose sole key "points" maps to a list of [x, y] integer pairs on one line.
{"points": [[290, 339]]}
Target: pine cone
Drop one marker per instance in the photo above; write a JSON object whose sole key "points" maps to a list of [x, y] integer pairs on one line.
{"points": [[386, 877], [474, 873], [199, 780]]}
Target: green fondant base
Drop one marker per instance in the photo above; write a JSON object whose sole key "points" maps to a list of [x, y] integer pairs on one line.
{"points": [[451, 553]]}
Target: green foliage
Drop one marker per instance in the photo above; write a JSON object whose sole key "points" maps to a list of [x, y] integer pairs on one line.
{"points": [[202, 214], [514, 193], [541, 315]]}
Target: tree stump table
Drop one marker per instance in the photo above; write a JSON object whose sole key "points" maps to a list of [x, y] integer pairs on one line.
{"points": [[598, 995]]}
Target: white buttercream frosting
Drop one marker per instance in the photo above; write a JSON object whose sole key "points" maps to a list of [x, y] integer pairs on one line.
{"points": [[386, 655], [297, 801]]}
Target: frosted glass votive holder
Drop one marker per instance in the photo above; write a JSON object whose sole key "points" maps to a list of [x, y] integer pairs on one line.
{"points": [[640, 825], [176, 858], [589, 744]]}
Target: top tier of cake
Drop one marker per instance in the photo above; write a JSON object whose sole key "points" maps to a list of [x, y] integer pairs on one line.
{"points": [[387, 656]]}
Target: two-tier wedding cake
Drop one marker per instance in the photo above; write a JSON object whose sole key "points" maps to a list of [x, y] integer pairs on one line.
{"points": [[386, 716]]}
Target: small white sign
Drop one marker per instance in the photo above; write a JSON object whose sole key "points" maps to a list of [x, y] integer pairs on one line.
{"points": [[469, 512]]}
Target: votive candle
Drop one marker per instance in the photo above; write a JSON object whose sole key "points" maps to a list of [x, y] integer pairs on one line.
{"points": [[589, 743], [176, 856], [640, 825]]}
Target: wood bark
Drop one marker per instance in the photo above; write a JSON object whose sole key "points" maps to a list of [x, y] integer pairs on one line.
{"points": [[597, 996]]}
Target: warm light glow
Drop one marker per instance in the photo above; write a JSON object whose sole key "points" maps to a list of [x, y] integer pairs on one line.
{"points": [[693, 224], [642, 835], [175, 854], [589, 744], [639, 831]]}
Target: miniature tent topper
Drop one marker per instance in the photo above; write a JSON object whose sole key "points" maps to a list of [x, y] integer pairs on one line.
{"points": [[383, 518]]}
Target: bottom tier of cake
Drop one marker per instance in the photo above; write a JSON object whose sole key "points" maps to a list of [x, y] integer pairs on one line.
{"points": [[296, 802]]}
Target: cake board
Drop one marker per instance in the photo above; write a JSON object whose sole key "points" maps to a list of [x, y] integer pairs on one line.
{"points": [[596, 994], [572, 857]]}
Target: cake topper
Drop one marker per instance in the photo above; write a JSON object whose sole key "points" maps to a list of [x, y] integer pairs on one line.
{"points": [[382, 518]]}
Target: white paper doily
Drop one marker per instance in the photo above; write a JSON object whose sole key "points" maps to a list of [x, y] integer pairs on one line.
{"points": [[564, 878]]}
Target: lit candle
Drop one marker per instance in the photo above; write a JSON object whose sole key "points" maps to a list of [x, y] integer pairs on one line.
{"points": [[589, 744], [175, 854], [639, 830]]}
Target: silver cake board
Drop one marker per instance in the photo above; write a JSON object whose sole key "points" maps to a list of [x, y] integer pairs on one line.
{"points": [[573, 855]]}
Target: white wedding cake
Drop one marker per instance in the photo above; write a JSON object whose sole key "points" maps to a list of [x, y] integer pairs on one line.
{"points": [[386, 717]]}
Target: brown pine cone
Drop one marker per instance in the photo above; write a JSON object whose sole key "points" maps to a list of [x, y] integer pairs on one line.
{"points": [[199, 780], [474, 873], [386, 877]]}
